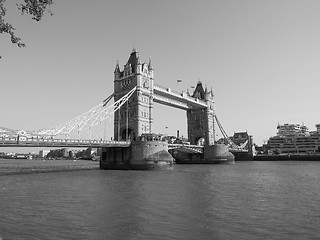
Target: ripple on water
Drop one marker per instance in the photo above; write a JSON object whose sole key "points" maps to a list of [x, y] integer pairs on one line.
{"points": [[248, 200]]}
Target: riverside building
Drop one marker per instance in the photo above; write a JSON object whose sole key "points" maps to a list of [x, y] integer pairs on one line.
{"points": [[295, 139]]}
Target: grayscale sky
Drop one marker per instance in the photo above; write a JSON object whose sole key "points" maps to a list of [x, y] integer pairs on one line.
{"points": [[261, 59]]}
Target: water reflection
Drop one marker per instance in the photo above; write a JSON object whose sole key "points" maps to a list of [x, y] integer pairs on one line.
{"points": [[250, 200]]}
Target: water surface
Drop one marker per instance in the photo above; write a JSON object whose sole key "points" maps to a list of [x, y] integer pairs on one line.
{"points": [[248, 200]]}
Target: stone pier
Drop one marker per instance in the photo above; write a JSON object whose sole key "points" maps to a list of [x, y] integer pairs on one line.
{"points": [[140, 155]]}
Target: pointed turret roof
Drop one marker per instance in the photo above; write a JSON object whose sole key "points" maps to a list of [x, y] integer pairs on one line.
{"points": [[134, 60], [199, 92], [150, 64], [117, 68]]}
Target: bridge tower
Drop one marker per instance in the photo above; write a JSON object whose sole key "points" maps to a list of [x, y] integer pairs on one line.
{"points": [[134, 117], [201, 120]]}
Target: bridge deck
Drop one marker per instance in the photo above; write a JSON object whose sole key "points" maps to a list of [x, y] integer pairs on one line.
{"points": [[74, 143]]}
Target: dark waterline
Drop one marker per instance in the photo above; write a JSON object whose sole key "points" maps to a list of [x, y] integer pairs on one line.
{"points": [[248, 200]]}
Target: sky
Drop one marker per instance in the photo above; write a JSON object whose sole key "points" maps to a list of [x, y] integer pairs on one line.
{"points": [[261, 59]]}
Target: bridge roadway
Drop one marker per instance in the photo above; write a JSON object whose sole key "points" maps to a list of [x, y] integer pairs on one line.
{"points": [[63, 143], [78, 143]]}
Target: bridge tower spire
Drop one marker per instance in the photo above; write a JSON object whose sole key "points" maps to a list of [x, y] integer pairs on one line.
{"points": [[134, 118]]}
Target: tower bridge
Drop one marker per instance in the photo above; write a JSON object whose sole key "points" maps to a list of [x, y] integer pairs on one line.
{"points": [[136, 117], [135, 92]]}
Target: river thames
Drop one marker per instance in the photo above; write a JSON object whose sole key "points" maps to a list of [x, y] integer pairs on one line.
{"points": [[248, 200]]}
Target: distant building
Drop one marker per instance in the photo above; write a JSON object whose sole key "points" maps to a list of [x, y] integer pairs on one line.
{"points": [[43, 153], [85, 154], [58, 153], [295, 139], [6, 155], [292, 130]]}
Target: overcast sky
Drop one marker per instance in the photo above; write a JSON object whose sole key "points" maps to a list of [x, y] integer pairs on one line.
{"points": [[261, 59]]}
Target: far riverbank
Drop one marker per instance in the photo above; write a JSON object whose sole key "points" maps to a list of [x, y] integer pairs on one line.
{"points": [[288, 157], [25, 166]]}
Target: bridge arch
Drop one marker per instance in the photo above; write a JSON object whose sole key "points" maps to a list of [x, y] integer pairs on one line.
{"points": [[128, 134], [200, 141]]}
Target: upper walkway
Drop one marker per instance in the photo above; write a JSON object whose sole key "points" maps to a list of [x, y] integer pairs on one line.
{"points": [[171, 98]]}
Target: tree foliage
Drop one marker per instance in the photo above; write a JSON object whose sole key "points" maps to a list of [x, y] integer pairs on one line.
{"points": [[34, 8]]}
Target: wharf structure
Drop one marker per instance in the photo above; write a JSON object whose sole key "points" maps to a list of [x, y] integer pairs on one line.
{"points": [[295, 139]]}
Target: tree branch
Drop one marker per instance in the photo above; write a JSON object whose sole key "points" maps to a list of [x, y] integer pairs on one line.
{"points": [[35, 8]]}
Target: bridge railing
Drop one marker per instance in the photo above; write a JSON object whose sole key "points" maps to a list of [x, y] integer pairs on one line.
{"points": [[177, 145], [194, 148], [16, 140]]}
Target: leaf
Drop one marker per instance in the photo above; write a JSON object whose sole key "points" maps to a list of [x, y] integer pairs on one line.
{"points": [[35, 8]]}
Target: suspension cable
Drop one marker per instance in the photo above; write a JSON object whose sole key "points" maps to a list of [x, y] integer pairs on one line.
{"points": [[89, 118], [225, 135]]}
